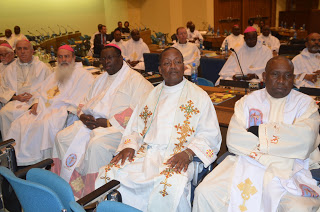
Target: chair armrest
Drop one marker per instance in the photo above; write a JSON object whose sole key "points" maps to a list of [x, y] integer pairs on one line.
{"points": [[106, 188], [6, 143], [42, 164]]}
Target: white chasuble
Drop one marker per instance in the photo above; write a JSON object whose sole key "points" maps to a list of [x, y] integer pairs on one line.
{"points": [[167, 123]]}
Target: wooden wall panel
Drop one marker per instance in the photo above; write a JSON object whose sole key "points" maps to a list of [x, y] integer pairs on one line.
{"points": [[224, 9]]}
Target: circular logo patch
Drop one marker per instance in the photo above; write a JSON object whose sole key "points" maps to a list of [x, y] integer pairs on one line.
{"points": [[71, 160]]}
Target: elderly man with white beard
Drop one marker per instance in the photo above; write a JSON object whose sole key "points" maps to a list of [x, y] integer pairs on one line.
{"points": [[6, 56], [35, 131]]}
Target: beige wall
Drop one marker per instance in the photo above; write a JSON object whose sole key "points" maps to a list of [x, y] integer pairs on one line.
{"points": [[30, 15], [281, 6]]}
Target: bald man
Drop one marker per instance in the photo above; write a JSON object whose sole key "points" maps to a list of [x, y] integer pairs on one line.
{"points": [[253, 57], [9, 38], [21, 80], [307, 63], [235, 40], [274, 136], [269, 40]]}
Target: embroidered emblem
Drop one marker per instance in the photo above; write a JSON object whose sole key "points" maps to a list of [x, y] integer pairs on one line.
{"points": [[168, 172], [209, 153], [247, 191], [141, 150], [108, 168], [253, 155], [51, 93], [185, 129], [275, 139], [255, 117], [145, 114], [77, 184], [124, 117], [307, 191], [71, 160], [127, 141]]}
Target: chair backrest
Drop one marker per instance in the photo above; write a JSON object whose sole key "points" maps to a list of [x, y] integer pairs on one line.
{"points": [[151, 62], [205, 82], [54, 182], [211, 67], [32, 196], [113, 206]]}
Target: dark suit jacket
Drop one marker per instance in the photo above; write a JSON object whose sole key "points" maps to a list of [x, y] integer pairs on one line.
{"points": [[98, 43]]}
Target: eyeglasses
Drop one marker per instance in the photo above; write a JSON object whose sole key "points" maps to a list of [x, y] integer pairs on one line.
{"points": [[168, 62], [108, 58]]}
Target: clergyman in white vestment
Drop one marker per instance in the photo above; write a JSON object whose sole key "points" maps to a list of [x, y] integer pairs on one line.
{"points": [[274, 134], [134, 49], [90, 143], [307, 63], [269, 40], [235, 40], [35, 130], [20, 81], [190, 51], [176, 122], [6, 57], [118, 41], [194, 35], [253, 57]]}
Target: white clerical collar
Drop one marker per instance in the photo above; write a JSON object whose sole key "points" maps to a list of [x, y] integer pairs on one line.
{"points": [[309, 54], [174, 88]]}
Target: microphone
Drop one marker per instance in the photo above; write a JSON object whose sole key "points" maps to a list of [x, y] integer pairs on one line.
{"points": [[39, 32], [30, 33], [243, 76], [59, 29], [51, 30], [64, 29], [70, 28]]}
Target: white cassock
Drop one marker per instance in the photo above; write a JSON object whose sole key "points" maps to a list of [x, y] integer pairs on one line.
{"points": [[253, 61], [3, 66], [11, 41], [79, 152], [191, 54], [171, 119], [35, 134], [270, 172], [234, 42], [193, 35], [134, 52], [306, 63], [270, 41], [19, 78], [121, 44]]}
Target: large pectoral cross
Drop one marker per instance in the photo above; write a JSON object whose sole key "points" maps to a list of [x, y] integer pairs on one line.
{"points": [[51, 93], [247, 191]]}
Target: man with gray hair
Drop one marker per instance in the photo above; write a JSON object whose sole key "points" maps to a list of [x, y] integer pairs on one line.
{"points": [[6, 56], [35, 130], [21, 79]]}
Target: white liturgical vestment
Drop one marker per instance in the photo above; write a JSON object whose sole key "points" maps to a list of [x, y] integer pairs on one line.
{"points": [[270, 172], [134, 52], [306, 63], [79, 152], [35, 134], [252, 60], [191, 54], [121, 44], [19, 78], [171, 119], [234, 42], [270, 41]]}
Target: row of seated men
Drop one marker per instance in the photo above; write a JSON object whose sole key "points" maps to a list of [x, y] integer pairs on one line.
{"points": [[134, 48], [253, 56], [154, 133], [12, 38]]}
